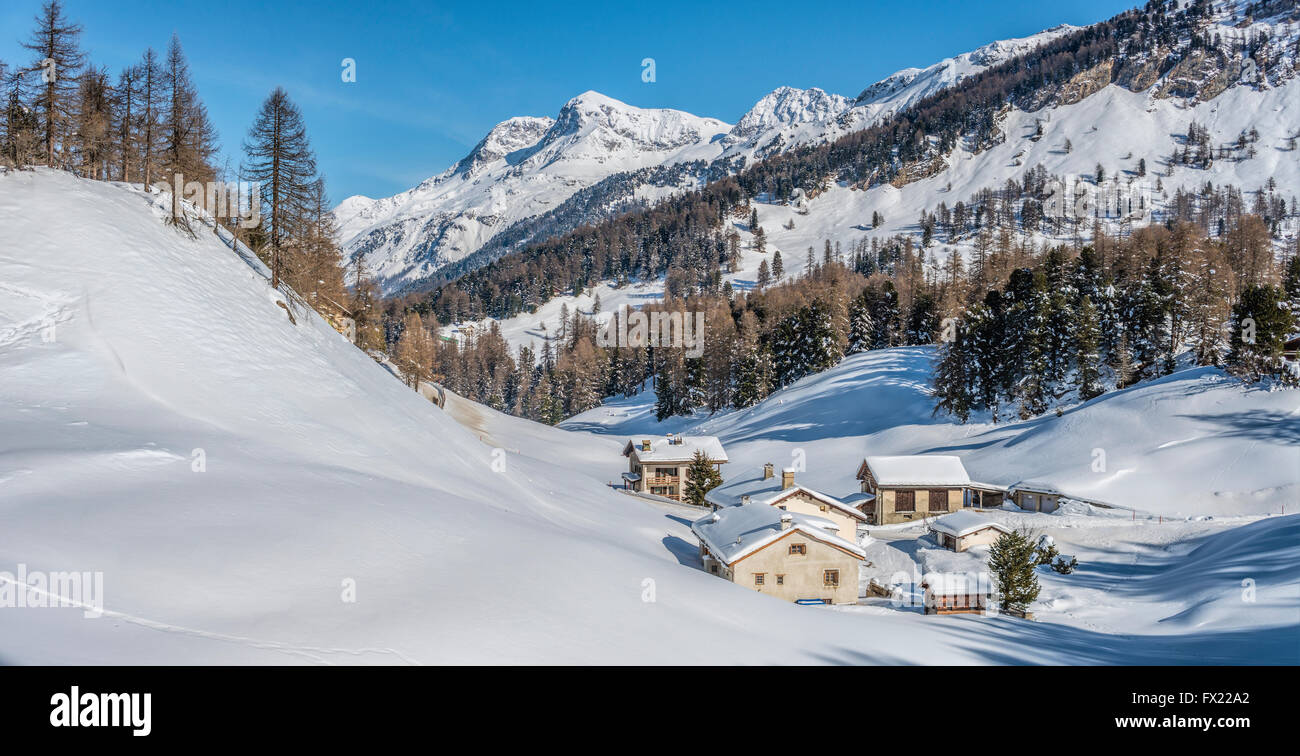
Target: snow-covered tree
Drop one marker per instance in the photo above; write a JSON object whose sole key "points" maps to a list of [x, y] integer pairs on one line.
{"points": [[1087, 359]]}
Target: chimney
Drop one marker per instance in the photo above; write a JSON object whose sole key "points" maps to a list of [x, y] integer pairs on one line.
{"points": [[786, 521], [768, 471], [787, 479], [645, 444]]}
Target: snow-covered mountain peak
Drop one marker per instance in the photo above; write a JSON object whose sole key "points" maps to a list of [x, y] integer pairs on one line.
{"points": [[505, 139], [597, 124], [787, 106]]}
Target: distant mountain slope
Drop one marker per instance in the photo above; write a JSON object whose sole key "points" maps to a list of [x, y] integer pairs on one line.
{"points": [[527, 166], [523, 167]]}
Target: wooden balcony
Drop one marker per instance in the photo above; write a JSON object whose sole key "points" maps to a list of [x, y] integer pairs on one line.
{"points": [[663, 480]]}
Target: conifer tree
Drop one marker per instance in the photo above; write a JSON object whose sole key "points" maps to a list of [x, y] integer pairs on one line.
{"points": [[92, 136], [151, 101], [55, 45], [985, 342], [20, 141], [954, 388], [1123, 363], [1260, 325], [126, 110], [764, 275], [701, 477], [280, 160], [1012, 559], [861, 327], [188, 137], [1087, 360]]}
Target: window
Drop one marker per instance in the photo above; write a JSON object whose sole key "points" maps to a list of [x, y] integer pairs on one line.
{"points": [[758, 578], [780, 579], [798, 549], [938, 500], [905, 501], [822, 507], [831, 578]]}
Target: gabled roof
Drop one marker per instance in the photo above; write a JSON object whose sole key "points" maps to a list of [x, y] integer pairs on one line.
{"points": [[733, 533], [958, 584], [863, 502], [960, 524], [769, 492], [917, 470], [662, 449]]}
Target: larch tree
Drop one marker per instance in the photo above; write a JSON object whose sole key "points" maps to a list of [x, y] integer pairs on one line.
{"points": [[188, 137], [151, 100], [281, 162], [55, 43], [126, 119], [316, 271], [92, 139]]}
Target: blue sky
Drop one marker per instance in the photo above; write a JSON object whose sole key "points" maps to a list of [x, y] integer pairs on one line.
{"points": [[433, 78]]}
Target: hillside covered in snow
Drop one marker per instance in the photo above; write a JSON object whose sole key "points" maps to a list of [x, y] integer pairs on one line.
{"points": [[1192, 444]]}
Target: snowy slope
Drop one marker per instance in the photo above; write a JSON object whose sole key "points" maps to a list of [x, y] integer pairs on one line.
{"points": [[126, 349], [1114, 127], [1194, 443], [526, 166]]}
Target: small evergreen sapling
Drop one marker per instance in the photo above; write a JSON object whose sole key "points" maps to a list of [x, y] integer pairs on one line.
{"points": [[1045, 551], [1064, 564]]}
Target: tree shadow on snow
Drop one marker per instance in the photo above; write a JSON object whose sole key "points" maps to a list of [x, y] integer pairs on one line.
{"points": [[1256, 425]]}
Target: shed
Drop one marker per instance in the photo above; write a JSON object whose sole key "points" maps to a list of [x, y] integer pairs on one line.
{"points": [[961, 530]]}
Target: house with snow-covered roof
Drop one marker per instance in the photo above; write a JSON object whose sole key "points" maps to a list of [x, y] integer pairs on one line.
{"points": [[794, 557], [962, 530], [787, 495], [911, 487], [660, 466]]}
